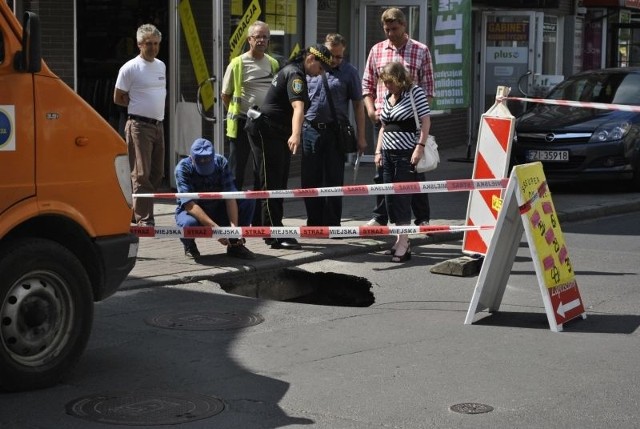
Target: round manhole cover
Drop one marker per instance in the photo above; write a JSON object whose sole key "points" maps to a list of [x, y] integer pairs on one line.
{"points": [[205, 320], [471, 408], [145, 408]]}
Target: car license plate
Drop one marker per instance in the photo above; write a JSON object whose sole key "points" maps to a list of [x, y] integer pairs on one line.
{"points": [[548, 155]]}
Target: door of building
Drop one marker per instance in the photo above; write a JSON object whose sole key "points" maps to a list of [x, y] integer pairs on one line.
{"points": [[625, 45], [369, 32], [510, 54], [194, 96]]}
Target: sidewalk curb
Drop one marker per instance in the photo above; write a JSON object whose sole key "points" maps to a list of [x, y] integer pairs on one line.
{"points": [[272, 263]]}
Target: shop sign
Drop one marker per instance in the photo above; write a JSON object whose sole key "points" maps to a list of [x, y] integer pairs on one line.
{"points": [[451, 50], [508, 31]]}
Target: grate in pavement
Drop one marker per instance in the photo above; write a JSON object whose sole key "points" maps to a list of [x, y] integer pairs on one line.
{"points": [[205, 320], [145, 408], [471, 408]]}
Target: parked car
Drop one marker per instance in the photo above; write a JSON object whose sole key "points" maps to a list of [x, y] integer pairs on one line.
{"points": [[578, 144]]}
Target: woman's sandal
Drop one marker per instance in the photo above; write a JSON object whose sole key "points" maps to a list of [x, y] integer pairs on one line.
{"points": [[402, 258]]}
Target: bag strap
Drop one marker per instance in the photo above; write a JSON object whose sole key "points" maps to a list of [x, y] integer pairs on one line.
{"points": [[325, 82], [415, 111]]}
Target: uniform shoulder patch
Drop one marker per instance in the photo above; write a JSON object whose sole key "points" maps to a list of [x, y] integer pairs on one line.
{"points": [[297, 85]]}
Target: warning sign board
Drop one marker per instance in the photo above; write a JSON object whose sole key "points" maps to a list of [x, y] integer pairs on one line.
{"points": [[491, 162], [527, 207]]}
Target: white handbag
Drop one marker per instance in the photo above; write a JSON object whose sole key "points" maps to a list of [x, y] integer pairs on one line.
{"points": [[430, 158]]}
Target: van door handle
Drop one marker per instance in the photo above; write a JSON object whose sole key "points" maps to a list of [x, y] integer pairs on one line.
{"points": [[82, 141]]}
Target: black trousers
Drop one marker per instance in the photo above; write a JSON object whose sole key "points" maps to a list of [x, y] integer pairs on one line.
{"points": [[240, 151], [274, 158], [419, 202], [322, 166]]}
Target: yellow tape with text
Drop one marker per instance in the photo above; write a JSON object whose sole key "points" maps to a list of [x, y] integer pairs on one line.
{"points": [[195, 51], [240, 35]]}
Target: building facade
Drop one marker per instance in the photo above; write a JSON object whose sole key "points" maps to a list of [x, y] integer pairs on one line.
{"points": [[527, 45]]}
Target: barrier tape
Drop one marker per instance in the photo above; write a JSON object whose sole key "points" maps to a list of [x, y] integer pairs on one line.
{"points": [[294, 232], [526, 206], [337, 191], [603, 106]]}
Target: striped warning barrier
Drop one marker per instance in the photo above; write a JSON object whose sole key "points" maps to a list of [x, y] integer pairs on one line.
{"points": [[491, 162], [294, 232], [585, 104], [458, 185]]}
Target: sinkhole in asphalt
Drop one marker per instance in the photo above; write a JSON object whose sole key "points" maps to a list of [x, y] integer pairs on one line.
{"points": [[295, 285]]}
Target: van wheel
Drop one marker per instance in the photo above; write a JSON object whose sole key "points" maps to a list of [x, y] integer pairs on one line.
{"points": [[46, 312]]}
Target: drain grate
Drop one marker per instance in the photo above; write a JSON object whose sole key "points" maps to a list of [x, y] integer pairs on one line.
{"points": [[145, 408], [471, 408], [205, 320]]}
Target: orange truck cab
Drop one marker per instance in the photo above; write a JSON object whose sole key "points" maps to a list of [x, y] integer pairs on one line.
{"points": [[65, 212]]}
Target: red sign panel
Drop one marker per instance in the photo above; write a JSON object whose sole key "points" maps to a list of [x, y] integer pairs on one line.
{"points": [[566, 302]]}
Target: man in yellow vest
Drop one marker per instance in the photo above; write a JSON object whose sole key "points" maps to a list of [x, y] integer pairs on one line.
{"points": [[244, 85]]}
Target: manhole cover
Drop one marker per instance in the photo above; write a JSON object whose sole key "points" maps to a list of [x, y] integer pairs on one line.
{"points": [[471, 408], [205, 320], [145, 408]]}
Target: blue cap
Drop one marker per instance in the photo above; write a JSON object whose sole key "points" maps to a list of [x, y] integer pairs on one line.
{"points": [[202, 156]]}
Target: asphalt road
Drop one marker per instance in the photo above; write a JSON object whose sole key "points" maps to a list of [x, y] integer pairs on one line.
{"points": [[401, 362]]}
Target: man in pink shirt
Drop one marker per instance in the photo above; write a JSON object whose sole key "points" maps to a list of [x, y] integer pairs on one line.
{"points": [[417, 59]]}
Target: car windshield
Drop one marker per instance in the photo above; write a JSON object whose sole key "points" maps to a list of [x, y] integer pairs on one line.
{"points": [[616, 88]]}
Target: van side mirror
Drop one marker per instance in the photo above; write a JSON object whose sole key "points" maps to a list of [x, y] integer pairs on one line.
{"points": [[29, 59]]}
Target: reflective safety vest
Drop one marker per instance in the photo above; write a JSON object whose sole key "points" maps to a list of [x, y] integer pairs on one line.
{"points": [[234, 105]]}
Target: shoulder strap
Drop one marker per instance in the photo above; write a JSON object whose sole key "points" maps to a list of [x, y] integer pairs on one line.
{"points": [[415, 111], [325, 82]]}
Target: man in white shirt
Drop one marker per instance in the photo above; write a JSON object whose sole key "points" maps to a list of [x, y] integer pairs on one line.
{"points": [[141, 86]]}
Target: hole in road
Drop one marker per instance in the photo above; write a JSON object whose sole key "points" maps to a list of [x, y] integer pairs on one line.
{"points": [[294, 285]]}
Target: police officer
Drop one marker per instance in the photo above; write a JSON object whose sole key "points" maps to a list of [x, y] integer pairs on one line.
{"points": [[279, 133]]}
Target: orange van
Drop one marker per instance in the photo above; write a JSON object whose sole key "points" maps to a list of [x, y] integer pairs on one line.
{"points": [[65, 210]]}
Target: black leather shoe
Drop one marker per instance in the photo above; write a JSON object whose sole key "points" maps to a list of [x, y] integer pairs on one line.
{"points": [[270, 241], [240, 251], [191, 251], [286, 243]]}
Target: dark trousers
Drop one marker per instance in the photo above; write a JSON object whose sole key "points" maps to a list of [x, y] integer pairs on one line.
{"points": [[322, 166], [239, 152], [396, 167], [216, 210], [274, 157], [419, 202]]}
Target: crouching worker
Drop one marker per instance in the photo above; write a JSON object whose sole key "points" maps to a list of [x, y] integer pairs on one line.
{"points": [[206, 171]]}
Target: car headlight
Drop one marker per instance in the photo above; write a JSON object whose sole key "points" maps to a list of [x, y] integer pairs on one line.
{"points": [[610, 132]]}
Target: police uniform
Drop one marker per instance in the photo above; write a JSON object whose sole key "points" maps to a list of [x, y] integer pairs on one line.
{"points": [[288, 85]]}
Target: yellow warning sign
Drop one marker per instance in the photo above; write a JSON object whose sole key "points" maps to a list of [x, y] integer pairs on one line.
{"points": [[542, 225], [195, 51], [496, 203], [240, 35]]}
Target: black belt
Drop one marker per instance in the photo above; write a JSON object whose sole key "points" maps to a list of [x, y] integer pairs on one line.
{"points": [[321, 125], [144, 119]]}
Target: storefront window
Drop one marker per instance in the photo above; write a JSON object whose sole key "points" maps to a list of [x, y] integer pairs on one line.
{"points": [[625, 47], [550, 60], [593, 36], [286, 23]]}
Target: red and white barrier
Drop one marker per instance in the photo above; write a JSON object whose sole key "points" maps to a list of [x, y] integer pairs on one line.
{"points": [[585, 104], [337, 191], [491, 162], [294, 232]]}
